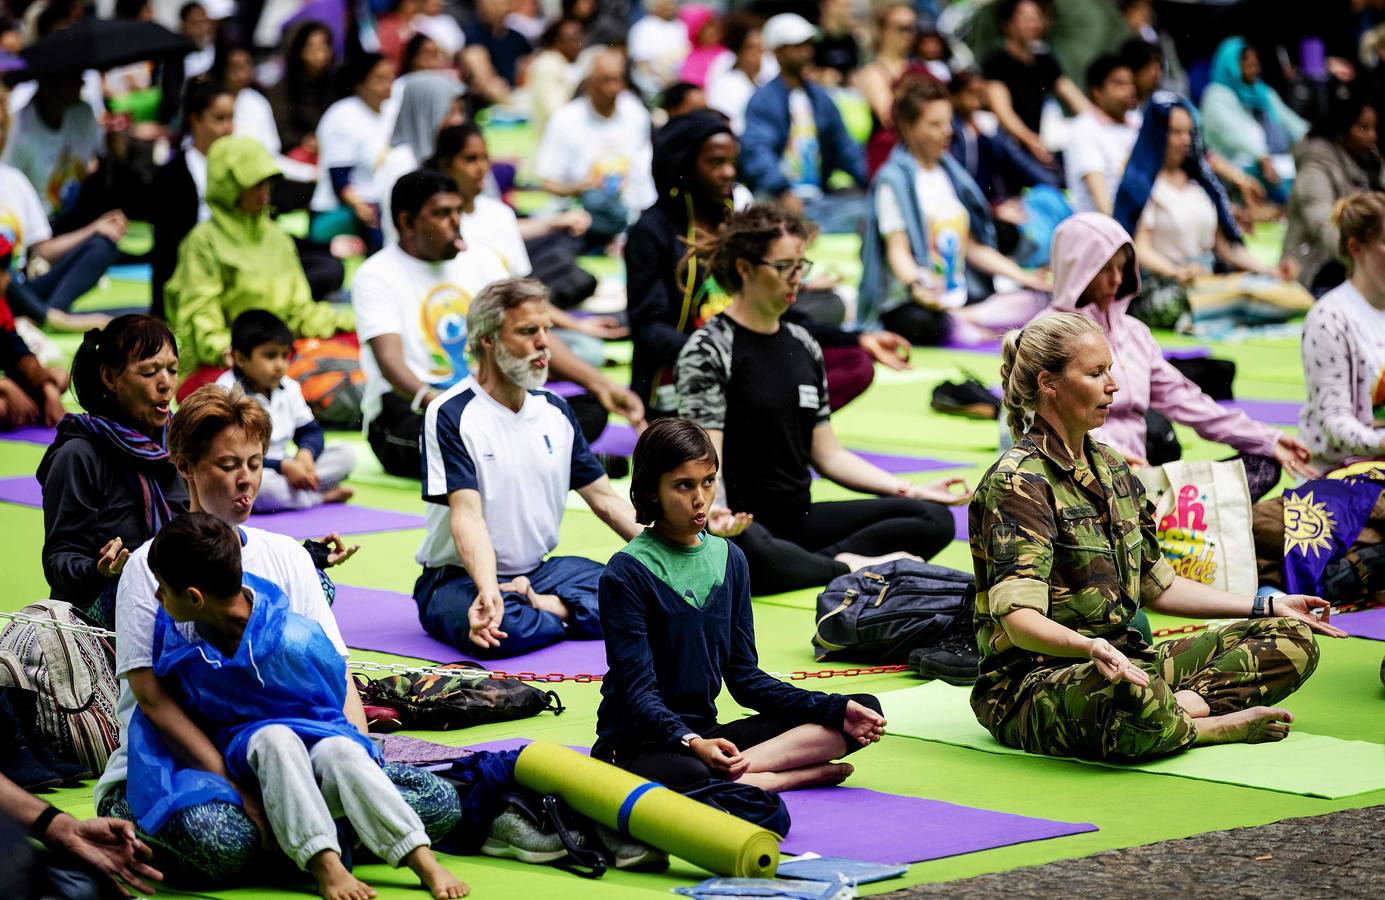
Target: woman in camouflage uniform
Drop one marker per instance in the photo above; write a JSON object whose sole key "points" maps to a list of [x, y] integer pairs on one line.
{"points": [[1065, 554]]}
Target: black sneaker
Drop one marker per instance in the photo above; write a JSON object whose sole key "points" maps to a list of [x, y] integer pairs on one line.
{"points": [[953, 659], [20, 766], [969, 399]]}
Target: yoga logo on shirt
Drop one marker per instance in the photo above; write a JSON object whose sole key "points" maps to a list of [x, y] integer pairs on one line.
{"points": [[443, 320]]}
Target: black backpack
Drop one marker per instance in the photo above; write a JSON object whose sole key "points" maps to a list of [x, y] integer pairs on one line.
{"points": [[882, 613]]}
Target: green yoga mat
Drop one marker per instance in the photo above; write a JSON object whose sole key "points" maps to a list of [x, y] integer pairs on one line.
{"points": [[1308, 764]]}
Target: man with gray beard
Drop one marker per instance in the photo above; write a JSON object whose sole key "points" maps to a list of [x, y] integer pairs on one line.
{"points": [[499, 456]]}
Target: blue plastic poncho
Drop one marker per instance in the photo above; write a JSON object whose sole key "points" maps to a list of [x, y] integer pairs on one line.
{"points": [[285, 672]]}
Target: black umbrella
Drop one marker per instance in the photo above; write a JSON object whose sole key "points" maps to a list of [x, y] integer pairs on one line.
{"points": [[98, 44]]}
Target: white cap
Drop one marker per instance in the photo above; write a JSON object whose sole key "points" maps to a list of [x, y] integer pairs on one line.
{"points": [[786, 30], [219, 10]]}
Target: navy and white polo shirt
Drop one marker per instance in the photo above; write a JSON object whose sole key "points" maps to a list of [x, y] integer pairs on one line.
{"points": [[522, 463]]}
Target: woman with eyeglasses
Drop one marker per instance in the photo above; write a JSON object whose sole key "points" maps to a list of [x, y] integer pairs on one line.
{"points": [[759, 388]]}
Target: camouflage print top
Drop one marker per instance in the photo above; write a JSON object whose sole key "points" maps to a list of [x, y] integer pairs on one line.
{"points": [[1071, 539]]}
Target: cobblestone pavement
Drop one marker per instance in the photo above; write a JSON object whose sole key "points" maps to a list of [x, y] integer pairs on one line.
{"points": [[1333, 856]]}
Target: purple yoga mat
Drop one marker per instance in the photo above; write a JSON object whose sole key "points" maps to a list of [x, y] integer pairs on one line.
{"points": [[894, 829], [21, 489], [897, 465], [31, 434], [564, 389], [973, 346], [340, 517], [516, 744], [1368, 623], [388, 622], [401, 748], [1187, 353], [617, 440], [1270, 412], [959, 522]]}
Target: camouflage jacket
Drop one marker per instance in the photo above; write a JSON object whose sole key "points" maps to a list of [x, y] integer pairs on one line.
{"points": [[1075, 542]]}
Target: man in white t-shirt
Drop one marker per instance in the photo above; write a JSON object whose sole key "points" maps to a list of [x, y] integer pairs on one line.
{"points": [[500, 455], [55, 142], [411, 301], [1101, 139], [597, 148]]}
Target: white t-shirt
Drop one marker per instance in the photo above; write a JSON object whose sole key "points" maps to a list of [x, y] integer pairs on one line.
{"points": [[197, 170], [23, 220], [522, 463], [1182, 221], [1096, 144], [255, 119], [55, 162], [949, 231], [580, 143], [352, 135], [287, 409], [730, 93], [425, 303], [657, 48], [273, 557], [494, 225]]}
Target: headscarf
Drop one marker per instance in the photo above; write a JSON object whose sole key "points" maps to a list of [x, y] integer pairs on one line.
{"points": [[427, 98], [1147, 158], [1226, 71], [139, 448]]}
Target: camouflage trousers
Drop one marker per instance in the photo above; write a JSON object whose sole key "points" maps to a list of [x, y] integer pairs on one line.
{"points": [[1076, 711]]}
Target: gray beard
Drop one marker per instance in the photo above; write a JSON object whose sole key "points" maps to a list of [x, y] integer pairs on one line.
{"points": [[519, 370]]}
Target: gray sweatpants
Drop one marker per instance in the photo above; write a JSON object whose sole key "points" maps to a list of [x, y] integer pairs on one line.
{"points": [[304, 790], [333, 467]]}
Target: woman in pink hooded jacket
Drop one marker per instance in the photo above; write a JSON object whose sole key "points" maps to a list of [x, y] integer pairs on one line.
{"points": [[1095, 273]]}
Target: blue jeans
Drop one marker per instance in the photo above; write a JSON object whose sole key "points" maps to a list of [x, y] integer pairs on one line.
{"points": [[444, 595], [842, 212], [69, 278]]}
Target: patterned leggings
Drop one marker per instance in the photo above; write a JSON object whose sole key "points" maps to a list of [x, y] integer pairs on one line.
{"points": [[1075, 711], [215, 842]]}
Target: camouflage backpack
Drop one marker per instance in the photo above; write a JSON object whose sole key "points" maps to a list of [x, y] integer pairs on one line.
{"points": [[468, 697]]}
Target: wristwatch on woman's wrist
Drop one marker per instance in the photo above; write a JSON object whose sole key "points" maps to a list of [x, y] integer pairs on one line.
{"points": [[1257, 609]]}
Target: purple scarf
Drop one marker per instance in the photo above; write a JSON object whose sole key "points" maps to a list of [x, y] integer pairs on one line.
{"points": [[140, 448]]}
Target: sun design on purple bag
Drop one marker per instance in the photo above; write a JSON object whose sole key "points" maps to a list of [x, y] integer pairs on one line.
{"points": [[1307, 525]]}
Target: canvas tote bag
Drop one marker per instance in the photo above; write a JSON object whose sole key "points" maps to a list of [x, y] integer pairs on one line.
{"points": [[1202, 517]]}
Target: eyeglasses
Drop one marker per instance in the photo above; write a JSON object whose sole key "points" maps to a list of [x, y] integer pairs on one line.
{"points": [[787, 268]]}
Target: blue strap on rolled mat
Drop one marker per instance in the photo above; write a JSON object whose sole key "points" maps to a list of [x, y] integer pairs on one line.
{"points": [[649, 812]]}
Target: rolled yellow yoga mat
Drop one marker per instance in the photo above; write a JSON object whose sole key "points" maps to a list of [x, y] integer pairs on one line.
{"points": [[707, 837]]}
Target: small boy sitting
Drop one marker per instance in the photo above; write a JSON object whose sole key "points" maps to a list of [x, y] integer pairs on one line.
{"points": [[29, 393], [260, 348], [268, 686]]}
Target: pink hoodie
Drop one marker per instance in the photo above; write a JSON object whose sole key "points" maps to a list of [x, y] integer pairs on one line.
{"points": [[1081, 246]]}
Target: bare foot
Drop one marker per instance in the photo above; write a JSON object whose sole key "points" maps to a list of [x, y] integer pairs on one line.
{"points": [[441, 883], [551, 603], [820, 775], [1192, 703], [1257, 725], [66, 321], [334, 882], [855, 561], [339, 494]]}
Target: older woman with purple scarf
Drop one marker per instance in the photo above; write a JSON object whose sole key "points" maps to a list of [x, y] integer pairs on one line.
{"points": [[108, 483]]}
